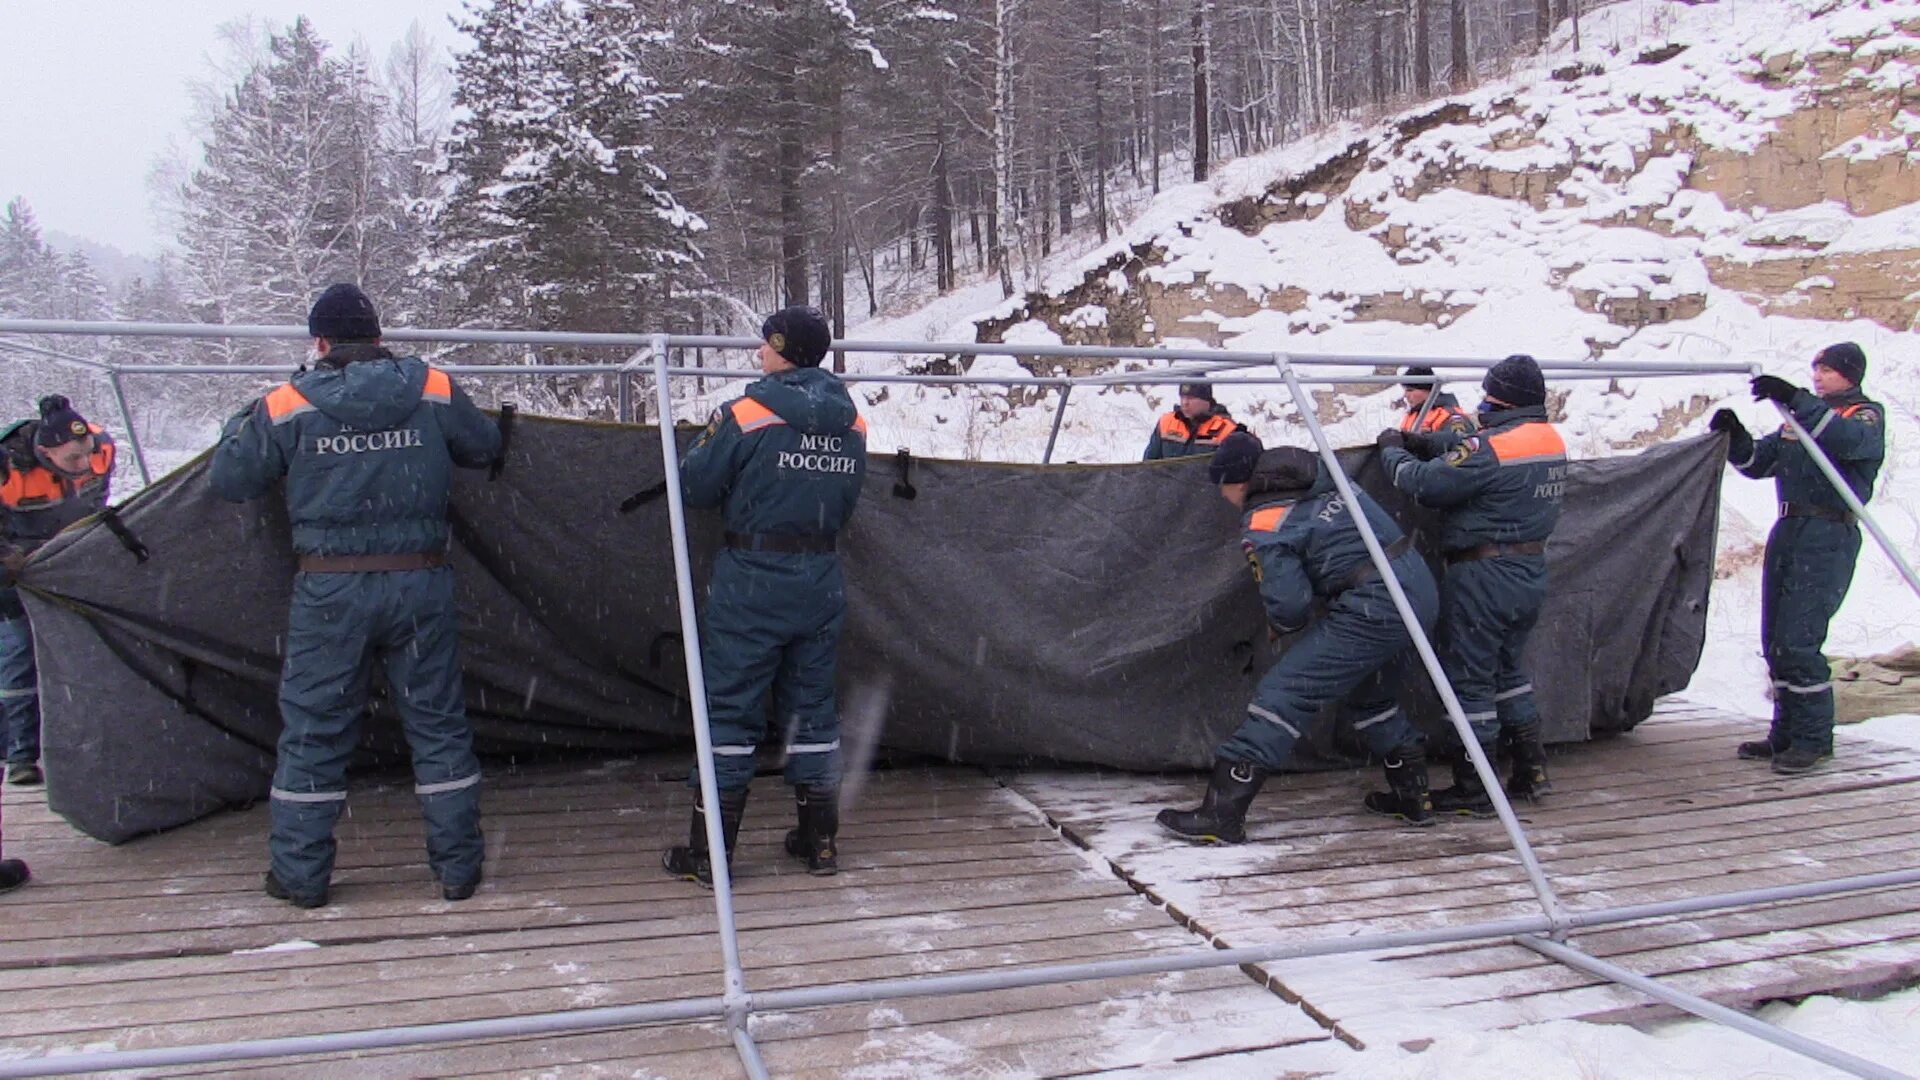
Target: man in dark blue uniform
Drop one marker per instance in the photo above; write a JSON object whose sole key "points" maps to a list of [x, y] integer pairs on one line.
{"points": [[1197, 425], [367, 443], [54, 471], [784, 463], [1501, 491], [1442, 409], [1299, 536], [1814, 544]]}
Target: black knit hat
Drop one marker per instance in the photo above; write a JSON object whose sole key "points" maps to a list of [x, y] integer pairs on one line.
{"points": [[1234, 459], [1285, 468], [1414, 371], [343, 313], [1517, 381], [59, 424], [799, 334], [1846, 358], [1203, 391]]}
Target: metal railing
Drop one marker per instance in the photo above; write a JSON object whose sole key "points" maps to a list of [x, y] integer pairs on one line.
{"points": [[737, 1004]]}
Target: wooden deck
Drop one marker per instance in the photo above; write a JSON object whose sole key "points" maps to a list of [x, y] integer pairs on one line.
{"points": [[160, 942]]}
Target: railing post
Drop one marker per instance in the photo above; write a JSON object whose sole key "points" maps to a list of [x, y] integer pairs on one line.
{"points": [[133, 437], [1548, 901], [1059, 416], [737, 1002]]}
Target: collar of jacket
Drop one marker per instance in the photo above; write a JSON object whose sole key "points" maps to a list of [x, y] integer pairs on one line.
{"points": [[1849, 396], [1520, 415], [340, 356]]}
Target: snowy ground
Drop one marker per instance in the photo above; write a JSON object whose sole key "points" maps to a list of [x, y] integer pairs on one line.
{"points": [[1885, 1031]]}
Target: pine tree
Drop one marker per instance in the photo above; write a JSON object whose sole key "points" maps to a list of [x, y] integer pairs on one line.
{"points": [[294, 190]]}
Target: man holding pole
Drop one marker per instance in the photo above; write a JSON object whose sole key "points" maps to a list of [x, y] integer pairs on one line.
{"points": [[1814, 544]]}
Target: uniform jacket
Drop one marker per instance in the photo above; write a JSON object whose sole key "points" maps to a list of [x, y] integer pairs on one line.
{"points": [[367, 444], [1303, 545], [1850, 427], [37, 501], [1443, 414], [1502, 485], [1175, 436], [788, 458]]}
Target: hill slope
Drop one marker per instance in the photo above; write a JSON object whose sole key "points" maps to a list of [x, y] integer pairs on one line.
{"points": [[1729, 181]]}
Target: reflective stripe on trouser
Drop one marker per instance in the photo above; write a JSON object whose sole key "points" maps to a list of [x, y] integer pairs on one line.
{"points": [[339, 627], [1355, 655], [19, 693], [1487, 610], [772, 625], [1808, 567]]}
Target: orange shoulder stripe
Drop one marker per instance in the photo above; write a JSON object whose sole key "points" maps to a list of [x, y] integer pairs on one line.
{"points": [[1535, 441], [752, 416], [860, 425], [1268, 518], [439, 387], [285, 402], [35, 483]]}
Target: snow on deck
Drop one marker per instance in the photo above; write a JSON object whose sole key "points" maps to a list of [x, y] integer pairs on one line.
{"points": [[168, 940]]}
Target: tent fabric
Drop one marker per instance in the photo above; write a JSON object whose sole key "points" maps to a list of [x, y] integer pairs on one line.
{"points": [[1003, 614]]}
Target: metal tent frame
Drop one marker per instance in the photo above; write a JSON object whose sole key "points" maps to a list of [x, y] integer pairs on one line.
{"points": [[736, 1005]]}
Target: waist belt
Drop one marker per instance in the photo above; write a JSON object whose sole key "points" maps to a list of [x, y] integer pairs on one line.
{"points": [[1805, 510], [782, 543], [1366, 571], [372, 564], [1494, 551]]}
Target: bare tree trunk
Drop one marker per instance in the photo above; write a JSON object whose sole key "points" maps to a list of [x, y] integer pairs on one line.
{"points": [[1461, 77], [837, 255], [1202, 100], [942, 213], [1003, 221], [793, 225], [1153, 95], [1422, 50], [1099, 120]]}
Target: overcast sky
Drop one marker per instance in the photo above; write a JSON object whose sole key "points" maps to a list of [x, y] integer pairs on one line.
{"points": [[92, 91]]}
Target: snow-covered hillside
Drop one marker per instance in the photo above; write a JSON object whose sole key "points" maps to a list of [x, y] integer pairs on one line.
{"points": [[1721, 181]]}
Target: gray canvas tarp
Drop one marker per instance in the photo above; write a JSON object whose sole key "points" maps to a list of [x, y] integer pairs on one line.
{"points": [[1006, 613]]}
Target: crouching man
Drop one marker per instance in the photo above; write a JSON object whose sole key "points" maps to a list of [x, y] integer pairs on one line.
{"points": [[1300, 538]]}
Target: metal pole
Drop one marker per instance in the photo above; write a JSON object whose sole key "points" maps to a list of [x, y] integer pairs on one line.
{"points": [[133, 436], [749, 1054], [968, 348], [1059, 417], [920, 986], [1455, 713], [58, 357], [1842, 489], [736, 985], [1719, 1014]]}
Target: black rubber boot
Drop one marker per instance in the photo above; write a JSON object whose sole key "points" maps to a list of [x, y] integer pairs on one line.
{"points": [[278, 891], [818, 811], [1407, 796], [1799, 759], [25, 774], [1529, 779], [1221, 817], [694, 861], [1467, 796], [1762, 750], [13, 874], [461, 891]]}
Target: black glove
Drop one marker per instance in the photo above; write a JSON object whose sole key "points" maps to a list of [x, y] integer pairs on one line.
{"points": [[1393, 438], [1725, 420], [1774, 388], [1420, 444]]}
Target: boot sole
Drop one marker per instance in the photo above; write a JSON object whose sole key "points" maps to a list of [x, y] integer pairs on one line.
{"points": [[1815, 767], [1418, 823], [1208, 839]]}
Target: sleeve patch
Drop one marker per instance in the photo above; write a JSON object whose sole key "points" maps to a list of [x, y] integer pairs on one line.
{"points": [[1463, 450], [1253, 560]]}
